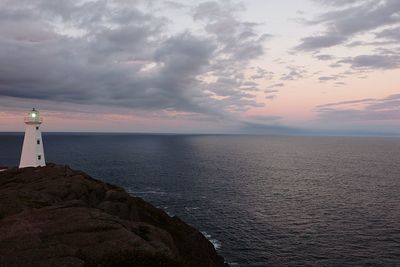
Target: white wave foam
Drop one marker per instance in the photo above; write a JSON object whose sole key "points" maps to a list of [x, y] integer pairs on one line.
{"points": [[169, 213], [216, 243], [165, 209], [147, 192], [191, 208]]}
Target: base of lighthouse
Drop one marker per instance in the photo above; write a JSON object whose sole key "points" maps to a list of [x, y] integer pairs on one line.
{"points": [[32, 150]]}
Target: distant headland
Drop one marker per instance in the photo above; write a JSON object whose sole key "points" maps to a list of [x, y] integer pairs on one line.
{"points": [[56, 216]]}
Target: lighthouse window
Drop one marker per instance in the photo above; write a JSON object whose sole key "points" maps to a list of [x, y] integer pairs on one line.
{"points": [[37, 127], [38, 141], [39, 157]]}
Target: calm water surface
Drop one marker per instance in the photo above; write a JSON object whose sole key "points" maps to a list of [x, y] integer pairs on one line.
{"points": [[263, 201]]}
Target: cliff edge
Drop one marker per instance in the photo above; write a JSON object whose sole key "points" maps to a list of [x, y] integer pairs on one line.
{"points": [[56, 216]]}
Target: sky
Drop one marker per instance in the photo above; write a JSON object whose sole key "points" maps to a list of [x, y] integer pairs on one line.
{"points": [[223, 66]]}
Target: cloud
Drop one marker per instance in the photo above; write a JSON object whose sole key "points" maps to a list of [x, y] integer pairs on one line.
{"points": [[261, 73], [336, 104], [324, 57], [327, 78], [349, 19], [368, 109], [271, 128], [118, 54], [174, 5], [294, 73], [372, 25], [316, 42], [379, 61], [238, 39], [333, 77], [338, 84], [390, 34], [276, 85], [265, 119], [271, 93], [338, 2]]}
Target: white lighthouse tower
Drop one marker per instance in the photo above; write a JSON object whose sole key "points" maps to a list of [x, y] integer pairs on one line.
{"points": [[32, 150]]}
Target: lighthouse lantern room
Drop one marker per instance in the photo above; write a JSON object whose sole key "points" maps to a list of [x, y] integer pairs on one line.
{"points": [[32, 150]]}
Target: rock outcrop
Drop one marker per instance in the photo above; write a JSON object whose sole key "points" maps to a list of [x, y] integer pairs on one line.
{"points": [[55, 216]]}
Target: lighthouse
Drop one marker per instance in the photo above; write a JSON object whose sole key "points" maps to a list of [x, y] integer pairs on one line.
{"points": [[32, 150]]}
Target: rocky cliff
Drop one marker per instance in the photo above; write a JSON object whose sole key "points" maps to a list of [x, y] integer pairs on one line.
{"points": [[56, 216]]}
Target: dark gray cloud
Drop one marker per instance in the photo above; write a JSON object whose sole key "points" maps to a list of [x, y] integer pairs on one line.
{"points": [[349, 18], [115, 53]]}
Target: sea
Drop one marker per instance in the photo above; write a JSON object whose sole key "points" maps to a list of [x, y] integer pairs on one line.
{"points": [[261, 200]]}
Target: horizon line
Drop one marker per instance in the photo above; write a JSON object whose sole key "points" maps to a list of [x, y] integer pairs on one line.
{"points": [[305, 134]]}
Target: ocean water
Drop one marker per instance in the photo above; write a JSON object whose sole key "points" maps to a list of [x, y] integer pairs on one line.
{"points": [[261, 200]]}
